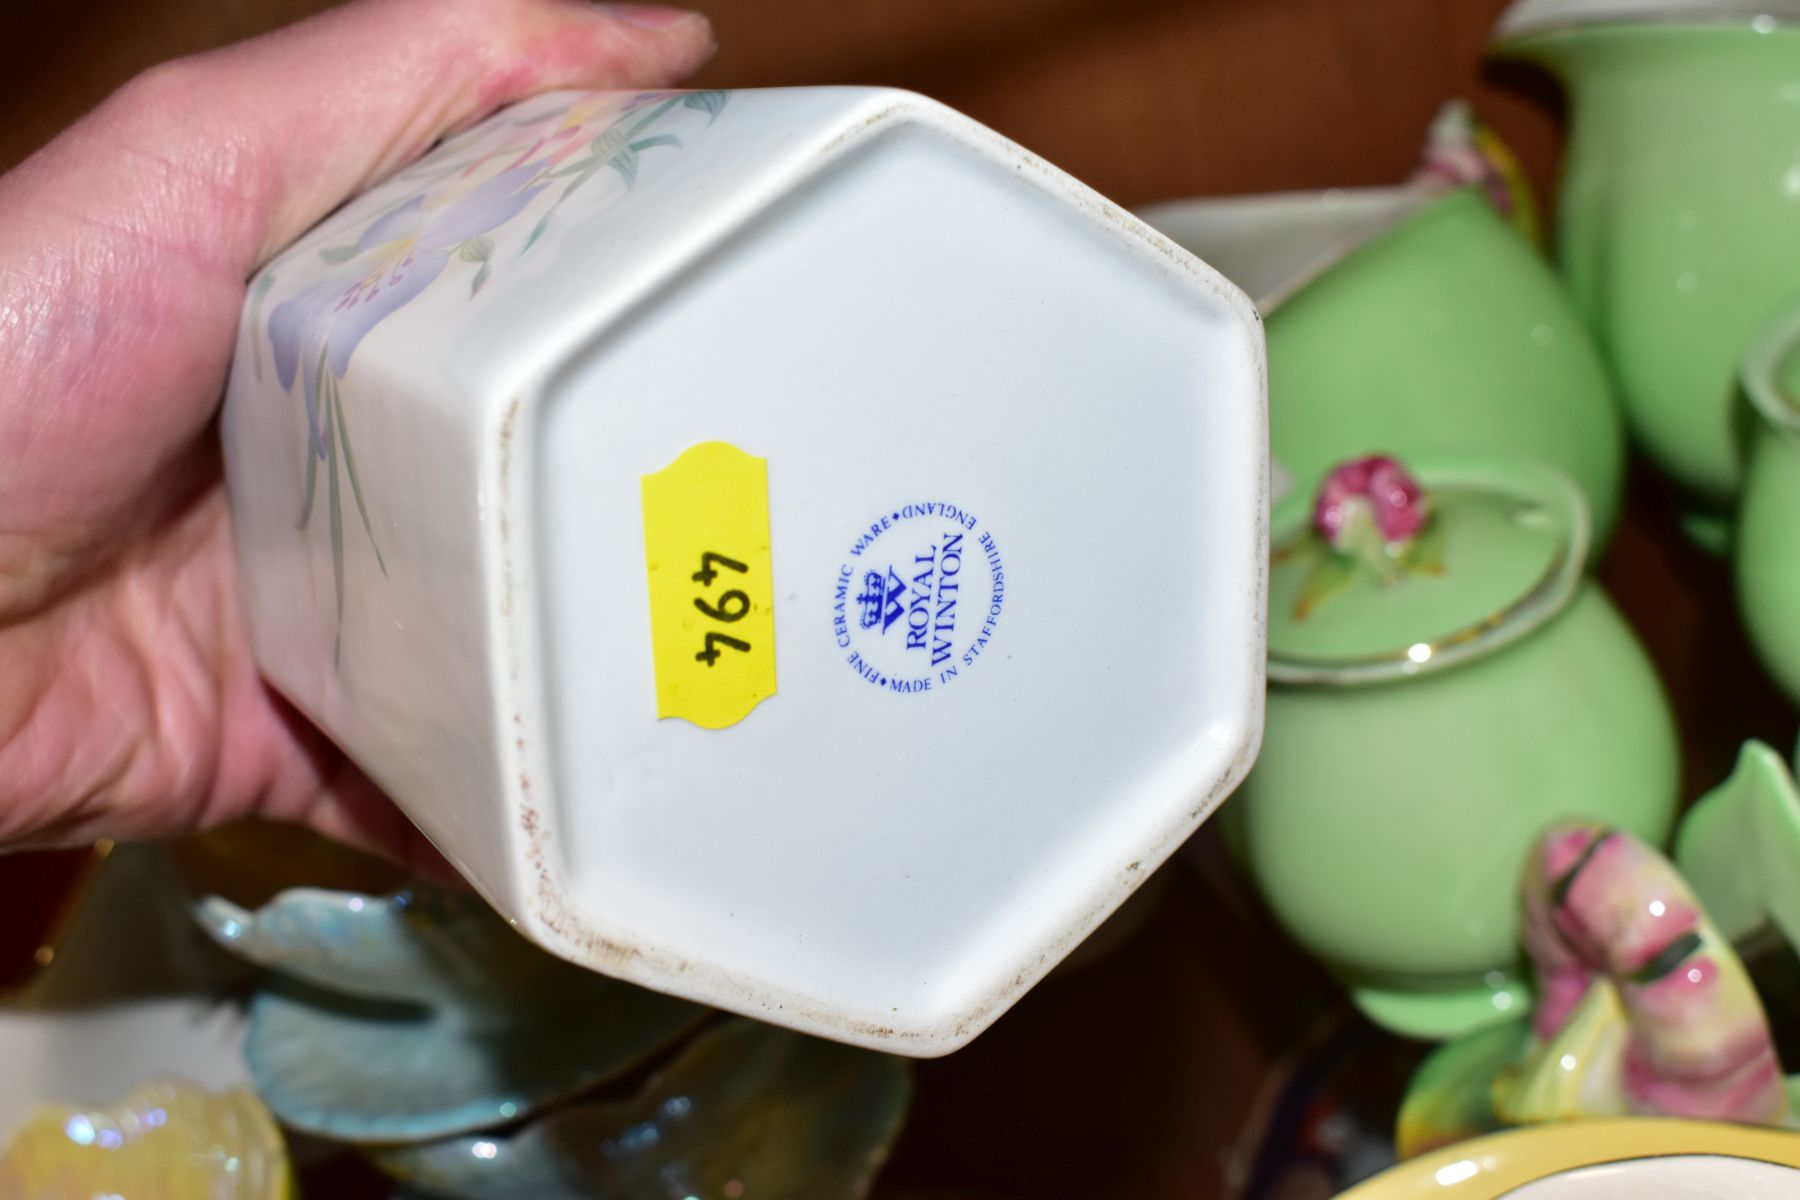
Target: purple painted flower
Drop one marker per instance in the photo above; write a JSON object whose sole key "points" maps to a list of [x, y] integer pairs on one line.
{"points": [[1376, 488], [314, 334], [397, 257], [1462, 151]]}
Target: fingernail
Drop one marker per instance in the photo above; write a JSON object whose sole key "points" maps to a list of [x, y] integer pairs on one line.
{"points": [[647, 16]]}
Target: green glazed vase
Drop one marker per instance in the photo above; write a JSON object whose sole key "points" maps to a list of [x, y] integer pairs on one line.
{"points": [[1766, 556], [1679, 221], [1411, 321], [1423, 729]]}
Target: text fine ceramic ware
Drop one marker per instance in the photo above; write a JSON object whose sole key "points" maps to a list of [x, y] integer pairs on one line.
{"points": [[1444, 683], [1641, 1159], [1679, 212], [1643, 1008], [469, 1064], [707, 515], [1766, 553], [1411, 320]]}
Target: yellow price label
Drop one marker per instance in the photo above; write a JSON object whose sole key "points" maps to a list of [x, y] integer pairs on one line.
{"points": [[712, 594]]}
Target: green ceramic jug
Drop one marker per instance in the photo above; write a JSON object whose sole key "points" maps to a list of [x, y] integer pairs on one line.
{"points": [[1436, 698], [1411, 320], [1679, 220], [1766, 556]]}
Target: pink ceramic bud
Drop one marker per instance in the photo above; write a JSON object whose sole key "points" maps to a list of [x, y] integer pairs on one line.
{"points": [[1377, 486]]}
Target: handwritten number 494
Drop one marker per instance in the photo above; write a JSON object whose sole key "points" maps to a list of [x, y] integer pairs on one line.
{"points": [[732, 606]]}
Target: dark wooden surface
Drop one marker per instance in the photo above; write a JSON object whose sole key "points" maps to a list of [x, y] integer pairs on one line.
{"points": [[1138, 1076], [1144, 99]]}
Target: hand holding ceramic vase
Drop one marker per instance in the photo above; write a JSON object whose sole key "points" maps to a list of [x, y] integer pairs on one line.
{"points": [[633, 487], [1444, 683]]}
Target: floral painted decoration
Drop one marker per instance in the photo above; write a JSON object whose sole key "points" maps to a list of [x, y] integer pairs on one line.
{"points": [[1462, 150], [1644, 1009], [444, 227], [1371, 521], [1680, 1031]]}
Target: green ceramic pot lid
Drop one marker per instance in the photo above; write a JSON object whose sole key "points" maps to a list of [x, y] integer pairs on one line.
{"points": [[1499, 554], [1276, 245], [1771, 373], [1527, 17]]}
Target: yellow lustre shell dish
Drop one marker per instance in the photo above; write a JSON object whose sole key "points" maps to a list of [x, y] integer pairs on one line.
{"points": [[166, 1139]]}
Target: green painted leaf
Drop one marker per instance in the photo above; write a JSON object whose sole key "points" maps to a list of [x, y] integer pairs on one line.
{"points": [[609, 142], [661, 139], [481, 277], [338, 254], [1300, 550], [312, 451], [585, 163], [1425, 556], [476, 249], [337, 406], [258, 294], [312, 477], [579, 180], [537, 231], [335, 508], [652, 116], [1331, 575], [625, 162], [428, 173], [712, 103]]}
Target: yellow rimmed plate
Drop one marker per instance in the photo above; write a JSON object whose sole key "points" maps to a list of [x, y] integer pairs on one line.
{"points": [[1631, 1159]]}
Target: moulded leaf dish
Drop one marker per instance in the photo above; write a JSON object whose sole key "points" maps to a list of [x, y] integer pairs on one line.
{"points": [[744, 1110], [421, 1015]]}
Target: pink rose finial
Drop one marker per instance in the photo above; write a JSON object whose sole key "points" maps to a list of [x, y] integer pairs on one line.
{"points": [[1369, 491], [1370, 519]]}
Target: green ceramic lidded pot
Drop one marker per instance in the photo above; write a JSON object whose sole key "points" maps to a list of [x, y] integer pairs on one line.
{"points": [[1679, 220], [1444, 683], [1411, 320], [1766, 558]]}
